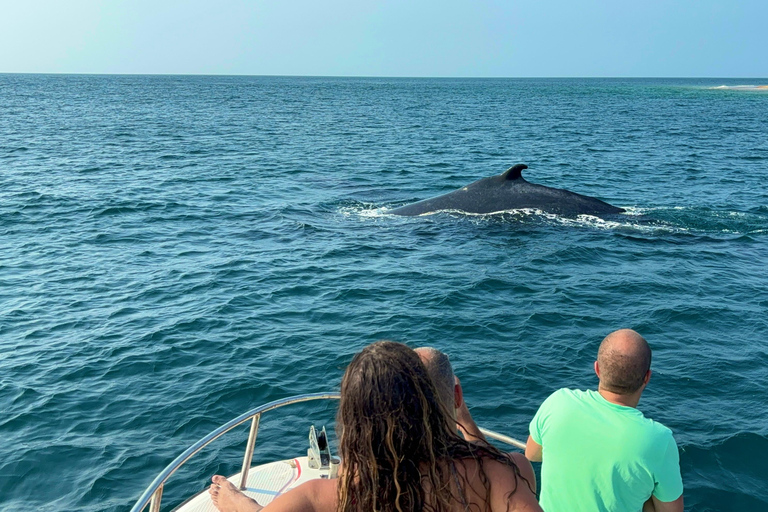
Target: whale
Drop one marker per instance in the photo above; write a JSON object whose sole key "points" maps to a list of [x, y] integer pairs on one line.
{"points": [[510, 191]]}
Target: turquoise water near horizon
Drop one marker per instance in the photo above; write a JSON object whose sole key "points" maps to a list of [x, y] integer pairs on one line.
{"points": [[175, 250]]}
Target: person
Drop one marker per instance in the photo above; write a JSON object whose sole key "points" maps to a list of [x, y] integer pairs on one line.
{"points": [[598, 452], [398, 451], [451, 396]]}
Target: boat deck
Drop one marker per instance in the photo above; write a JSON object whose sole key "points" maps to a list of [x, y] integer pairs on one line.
{"points": [[264, 483]]}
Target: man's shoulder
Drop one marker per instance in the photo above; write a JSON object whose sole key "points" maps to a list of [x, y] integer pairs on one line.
{"points": [[563, 400], [657, 429], [649, 435], [568, 395], [566, 392]]}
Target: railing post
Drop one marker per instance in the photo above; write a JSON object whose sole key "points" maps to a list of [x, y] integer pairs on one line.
{"points": [[154, 505], [152, 494], [248, 457]]}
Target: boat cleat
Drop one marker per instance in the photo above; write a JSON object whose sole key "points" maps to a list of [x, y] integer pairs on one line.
{"points": [[319, 454]]}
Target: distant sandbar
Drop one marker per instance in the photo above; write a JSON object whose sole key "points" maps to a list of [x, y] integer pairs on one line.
{"points": [[743, 87]]}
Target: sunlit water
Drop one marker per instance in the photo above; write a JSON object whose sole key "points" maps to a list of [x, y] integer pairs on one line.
{"points": [[177, 250]]}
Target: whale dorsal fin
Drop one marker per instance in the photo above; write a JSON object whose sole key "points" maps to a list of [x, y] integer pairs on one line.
{"points": [[514, 172]]}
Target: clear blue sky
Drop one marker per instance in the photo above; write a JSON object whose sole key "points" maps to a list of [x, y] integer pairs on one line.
{"points": [[657, 38]]}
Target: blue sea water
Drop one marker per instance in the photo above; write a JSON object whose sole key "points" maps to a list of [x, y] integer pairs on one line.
{"points": [[175, 250]]}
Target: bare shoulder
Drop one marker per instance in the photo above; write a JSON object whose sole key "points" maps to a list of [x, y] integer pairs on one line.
{"points": [[504, 472], [508, 491], [525, 467], [312, 496]]}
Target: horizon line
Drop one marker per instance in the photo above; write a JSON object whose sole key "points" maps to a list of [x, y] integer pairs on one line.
{"points": [[443, 77]]}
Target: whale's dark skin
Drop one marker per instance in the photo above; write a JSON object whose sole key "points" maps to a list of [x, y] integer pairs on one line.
{"points": [[509, 191]]}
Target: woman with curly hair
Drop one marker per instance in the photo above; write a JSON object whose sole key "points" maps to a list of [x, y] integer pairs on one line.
{"points": [[399, 451]]}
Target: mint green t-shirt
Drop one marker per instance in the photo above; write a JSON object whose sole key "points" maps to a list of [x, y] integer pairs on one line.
{"points": [[599, 456]]}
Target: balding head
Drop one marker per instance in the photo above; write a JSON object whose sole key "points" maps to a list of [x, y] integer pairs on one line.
{"points": [[624, 359], [441, 372]]}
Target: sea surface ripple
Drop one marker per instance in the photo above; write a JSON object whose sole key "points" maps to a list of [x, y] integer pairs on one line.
{"points": [[175, 250]]}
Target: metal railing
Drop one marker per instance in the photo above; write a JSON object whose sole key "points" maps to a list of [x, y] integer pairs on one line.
{"points": [[501, 437], [154, 493]]}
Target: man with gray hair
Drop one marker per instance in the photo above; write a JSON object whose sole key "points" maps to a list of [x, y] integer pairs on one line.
{"points": [[598, 452], [451, 397], [441, 372]]}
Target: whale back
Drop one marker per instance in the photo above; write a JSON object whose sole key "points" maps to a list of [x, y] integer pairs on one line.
{"points": [[510, 191]]}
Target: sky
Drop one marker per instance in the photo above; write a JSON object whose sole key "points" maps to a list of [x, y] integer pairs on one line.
{"points": [[394, 38]]}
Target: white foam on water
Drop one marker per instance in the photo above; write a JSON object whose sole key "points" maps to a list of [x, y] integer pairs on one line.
{"points": [[365, 211], [635, 219]]}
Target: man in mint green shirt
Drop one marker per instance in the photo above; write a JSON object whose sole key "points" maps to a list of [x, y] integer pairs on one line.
{"points": [[598, 452]]}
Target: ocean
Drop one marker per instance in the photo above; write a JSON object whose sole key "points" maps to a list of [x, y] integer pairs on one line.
{"points": [[176, 250]]}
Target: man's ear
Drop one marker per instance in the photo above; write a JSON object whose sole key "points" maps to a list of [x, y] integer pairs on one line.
{"points": [[647, 377], [597, 369], [458, 393]]}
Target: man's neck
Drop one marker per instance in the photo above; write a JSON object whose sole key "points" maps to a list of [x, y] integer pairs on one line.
{"points": [[615, 398]]}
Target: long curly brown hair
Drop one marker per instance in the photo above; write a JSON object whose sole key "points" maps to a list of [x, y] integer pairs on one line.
{"points": [[396, 441]]}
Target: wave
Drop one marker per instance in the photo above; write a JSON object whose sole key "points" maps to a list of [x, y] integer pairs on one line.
{"points": [[656, 220], [737, 481]]}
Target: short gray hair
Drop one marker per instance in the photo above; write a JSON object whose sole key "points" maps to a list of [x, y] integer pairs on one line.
{"points": [[441, 372], [624, 358]]}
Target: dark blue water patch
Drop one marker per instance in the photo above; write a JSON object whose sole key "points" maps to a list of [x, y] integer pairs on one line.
{"points": [[738, 479]]}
